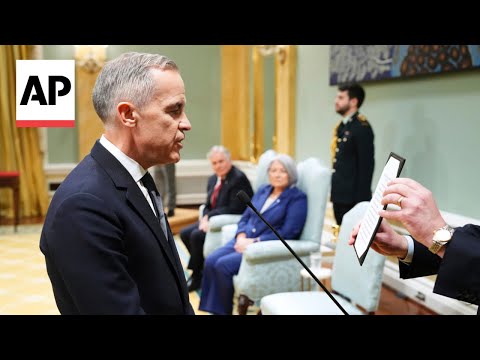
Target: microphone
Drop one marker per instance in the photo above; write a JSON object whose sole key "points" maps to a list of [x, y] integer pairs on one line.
{"points": [[242, 195]]}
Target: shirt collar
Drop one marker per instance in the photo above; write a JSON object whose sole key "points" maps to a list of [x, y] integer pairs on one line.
{"points": [[348, 117], [133, 167]]}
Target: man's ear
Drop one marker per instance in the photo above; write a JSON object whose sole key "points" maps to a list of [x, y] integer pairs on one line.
{"points": [[126, 112], [354, 102]]}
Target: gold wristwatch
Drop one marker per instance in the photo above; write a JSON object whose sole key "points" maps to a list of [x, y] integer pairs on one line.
{"points": [[441, 237]]}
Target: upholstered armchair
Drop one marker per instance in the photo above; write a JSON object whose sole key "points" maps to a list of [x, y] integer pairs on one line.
{"points": [[360, 284], [268, 267], [214, 238]]}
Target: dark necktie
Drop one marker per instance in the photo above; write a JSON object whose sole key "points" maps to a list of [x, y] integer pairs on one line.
{"points": [[216, 191], [148, 182]]}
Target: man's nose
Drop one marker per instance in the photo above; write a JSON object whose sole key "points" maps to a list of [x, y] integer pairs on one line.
{"points": [[185, 124]]}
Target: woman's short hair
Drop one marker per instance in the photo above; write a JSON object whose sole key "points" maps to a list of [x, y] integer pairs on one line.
{"points": [[289, 165]]}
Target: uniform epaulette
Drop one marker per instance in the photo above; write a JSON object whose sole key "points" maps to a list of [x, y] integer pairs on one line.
{"points": [[363, 120]]}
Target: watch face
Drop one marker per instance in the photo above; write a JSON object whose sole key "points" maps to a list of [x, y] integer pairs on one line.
{"points": [[442, 235]]}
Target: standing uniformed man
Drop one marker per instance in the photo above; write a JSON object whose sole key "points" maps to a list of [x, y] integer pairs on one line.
{"points": [[352, 152]]}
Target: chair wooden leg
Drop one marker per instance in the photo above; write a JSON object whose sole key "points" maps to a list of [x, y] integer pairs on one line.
{"points": [[16, 206], [243, 303]]}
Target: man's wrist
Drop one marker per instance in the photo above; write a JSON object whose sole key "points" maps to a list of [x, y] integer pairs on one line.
{"points": [[410, 247]]}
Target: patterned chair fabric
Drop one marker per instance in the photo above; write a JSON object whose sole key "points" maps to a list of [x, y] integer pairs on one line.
{"points": [[361, 284], [268, 267]]}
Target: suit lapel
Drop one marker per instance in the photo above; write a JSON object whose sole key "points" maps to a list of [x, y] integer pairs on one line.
{"points": [[224, 190], [274, 204], [222, 199], [262, 197], [281, 198], [210, 186], [123, 180], [138, 201]]}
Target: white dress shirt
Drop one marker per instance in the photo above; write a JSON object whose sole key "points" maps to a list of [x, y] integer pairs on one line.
{"points": [[133, 167]]}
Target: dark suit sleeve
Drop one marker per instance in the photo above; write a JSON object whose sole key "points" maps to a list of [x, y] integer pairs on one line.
{"points": [[424, 263], [459, 273], [210, 185], [234, 205], [86, 244], [366, 163]]}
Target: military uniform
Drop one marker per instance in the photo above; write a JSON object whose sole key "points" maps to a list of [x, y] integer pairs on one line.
{"points": [[352, 164]]}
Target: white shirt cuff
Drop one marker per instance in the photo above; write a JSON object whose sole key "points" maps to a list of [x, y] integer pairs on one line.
{"points": [[409, 257]]}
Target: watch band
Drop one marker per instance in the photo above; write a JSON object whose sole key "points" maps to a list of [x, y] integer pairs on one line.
{"points": [[437, 245]]}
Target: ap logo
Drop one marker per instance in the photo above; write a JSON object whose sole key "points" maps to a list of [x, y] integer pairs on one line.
{"points": [[45, 93]]}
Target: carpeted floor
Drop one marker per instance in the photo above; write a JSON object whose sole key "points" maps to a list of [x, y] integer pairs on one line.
{"points": [[24, 285]]}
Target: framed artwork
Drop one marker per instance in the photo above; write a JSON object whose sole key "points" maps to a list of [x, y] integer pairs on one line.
{"points": [[359, 63]]}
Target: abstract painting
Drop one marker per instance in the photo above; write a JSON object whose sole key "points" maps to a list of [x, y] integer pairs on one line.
{"points": [[358, 63]]}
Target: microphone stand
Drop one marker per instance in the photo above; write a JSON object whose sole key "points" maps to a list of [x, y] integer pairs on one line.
{"points": [[243, 196]]}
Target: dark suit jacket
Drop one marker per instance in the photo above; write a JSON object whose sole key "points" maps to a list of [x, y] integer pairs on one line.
{"points": [[287, 215], [354, 162], [227, 201], [104, 248], [458, 274]]}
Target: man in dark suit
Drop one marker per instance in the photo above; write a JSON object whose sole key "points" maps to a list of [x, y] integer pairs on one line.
{"points": [[222, 189], [433, 247], [352, 152], [107, 243]]}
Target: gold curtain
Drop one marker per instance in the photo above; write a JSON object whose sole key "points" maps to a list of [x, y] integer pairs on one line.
{"points": [[19, 147]]}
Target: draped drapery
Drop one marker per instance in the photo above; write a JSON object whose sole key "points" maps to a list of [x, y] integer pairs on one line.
{"points": [[19, 147]]}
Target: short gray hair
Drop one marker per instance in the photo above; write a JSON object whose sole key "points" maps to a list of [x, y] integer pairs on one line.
{"points": [[219, 149], [127, 78], [289, 165]]}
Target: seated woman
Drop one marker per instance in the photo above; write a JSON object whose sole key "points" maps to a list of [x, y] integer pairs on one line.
{"points": [[283, 205]]}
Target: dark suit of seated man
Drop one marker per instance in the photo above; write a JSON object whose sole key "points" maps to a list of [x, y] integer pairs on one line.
{"points": [[222, 189]]}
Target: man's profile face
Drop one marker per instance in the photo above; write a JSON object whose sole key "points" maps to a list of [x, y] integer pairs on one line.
{"points": [[342, 103], [163, 121], [220, 164]]}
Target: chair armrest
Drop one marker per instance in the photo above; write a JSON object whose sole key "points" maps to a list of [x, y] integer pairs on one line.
{"points": [[228, 232], [328, 240], [200, 212], [266, 251], [215, 223]]}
